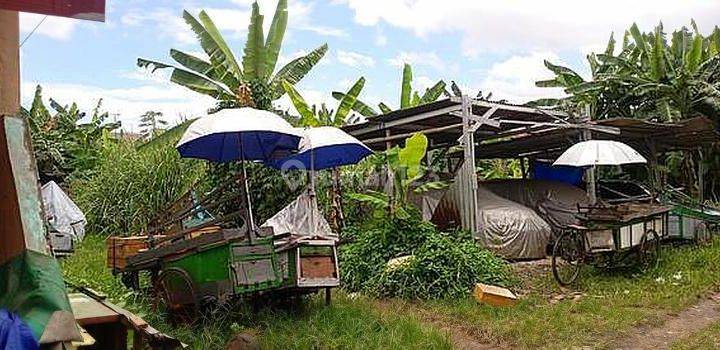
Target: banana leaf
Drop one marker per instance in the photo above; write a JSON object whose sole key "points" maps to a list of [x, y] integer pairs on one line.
{"points": [[294, 71]]}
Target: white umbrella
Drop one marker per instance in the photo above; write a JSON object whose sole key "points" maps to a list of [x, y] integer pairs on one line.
{"points": [[236, 135], [323, 148], [599, 152]]}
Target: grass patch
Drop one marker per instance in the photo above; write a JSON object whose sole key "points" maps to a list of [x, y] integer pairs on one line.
{"points": [[346, 324], [613, 303], [708, 338]]}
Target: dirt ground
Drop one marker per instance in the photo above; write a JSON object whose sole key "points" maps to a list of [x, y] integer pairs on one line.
{"points": [[676, 327]]}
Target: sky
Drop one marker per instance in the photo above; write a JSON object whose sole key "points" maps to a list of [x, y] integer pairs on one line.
{"points": [[494, 46]]}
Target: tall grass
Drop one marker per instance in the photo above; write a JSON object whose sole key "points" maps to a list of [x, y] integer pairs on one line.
{"points": [[132, 184]]}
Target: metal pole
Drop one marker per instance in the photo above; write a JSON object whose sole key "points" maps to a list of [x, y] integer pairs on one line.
{"points": [[247, 192], [590, 172], [312, 187]]}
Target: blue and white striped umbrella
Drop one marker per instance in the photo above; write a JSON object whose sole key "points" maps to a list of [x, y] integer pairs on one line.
{"points": [[323, 148]]}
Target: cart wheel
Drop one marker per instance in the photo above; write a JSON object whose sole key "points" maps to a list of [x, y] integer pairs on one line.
{"points": [[567, 257], [649, 250], [131, 280], [176, 294], [702, 234]]}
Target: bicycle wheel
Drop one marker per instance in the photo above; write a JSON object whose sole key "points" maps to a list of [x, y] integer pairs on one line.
{"points": [[649, 250], [567, 257]]}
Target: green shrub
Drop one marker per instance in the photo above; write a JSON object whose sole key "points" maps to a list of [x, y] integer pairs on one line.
{"points": [[131, 185], [442, 265]]}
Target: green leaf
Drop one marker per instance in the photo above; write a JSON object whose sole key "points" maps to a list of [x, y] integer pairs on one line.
{"points": [[254, 58], [415, 101], [694, 56], [203, 67], [294, 71], [411, 156], [657, 58], [359, 106], [307, 117], [433, 93], [200, 84], [638, 38], [610, 49], [376, 199], [152, 65], [431, 186], [348, 101], [214, 45], [384, 108], [549, 83], [275, 37], [406, 89]]}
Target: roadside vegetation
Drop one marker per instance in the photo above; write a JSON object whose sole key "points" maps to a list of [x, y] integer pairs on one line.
{"points": [[406, 284]]}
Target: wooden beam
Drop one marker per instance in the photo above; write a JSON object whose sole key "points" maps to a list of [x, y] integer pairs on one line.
{"points": [[389, 137], [9, 63], [389, 124]]}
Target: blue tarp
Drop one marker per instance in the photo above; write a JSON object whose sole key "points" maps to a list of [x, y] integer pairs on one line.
{"points": [[567, 174], [14, 333]]}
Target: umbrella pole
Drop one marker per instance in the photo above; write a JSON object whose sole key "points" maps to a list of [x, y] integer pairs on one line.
{"points": [[251, 224], [591, 190], [312, 189]]}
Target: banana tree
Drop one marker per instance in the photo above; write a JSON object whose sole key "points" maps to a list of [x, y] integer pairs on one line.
{"points": [[407, 170], [62, 145], [408, 96], [254, 82], [649, 78], [313, 116]]}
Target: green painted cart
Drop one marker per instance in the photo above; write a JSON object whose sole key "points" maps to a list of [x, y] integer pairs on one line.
{"points": [[212, 264]]}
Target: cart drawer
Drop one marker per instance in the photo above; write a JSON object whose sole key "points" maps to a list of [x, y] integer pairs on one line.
{"points": [[254, 272], [317, 267], [240, 250]]}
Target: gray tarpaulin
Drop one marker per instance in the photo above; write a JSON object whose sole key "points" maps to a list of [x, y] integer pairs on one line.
{"points": [[67, 221], [509, 228], [556, 202], [516, 217], [301, 217]]}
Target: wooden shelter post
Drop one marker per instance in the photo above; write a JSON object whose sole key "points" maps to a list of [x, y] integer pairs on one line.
{"points": [[12, 233], [467, 174]]}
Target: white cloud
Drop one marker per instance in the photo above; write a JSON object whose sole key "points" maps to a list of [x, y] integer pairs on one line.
{"points": [[126, 104], [511, 25], [167, 23], [354, 59], [381, 40], [54, 27], [231, 20], [514, 78], [430, 59]]}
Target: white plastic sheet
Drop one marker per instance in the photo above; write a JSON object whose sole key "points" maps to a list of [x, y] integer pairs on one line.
{"points": [[63, 215], [301, 217]]}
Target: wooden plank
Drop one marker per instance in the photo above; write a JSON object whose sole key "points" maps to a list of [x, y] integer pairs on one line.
{"points": [[89, 311], [9, 63]]}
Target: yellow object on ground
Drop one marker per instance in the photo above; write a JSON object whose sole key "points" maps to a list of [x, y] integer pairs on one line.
{"points": [[494, 295]]}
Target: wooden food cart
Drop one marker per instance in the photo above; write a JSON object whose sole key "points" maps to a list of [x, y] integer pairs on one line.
{"points": [[610, 236], [216, 262]]}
